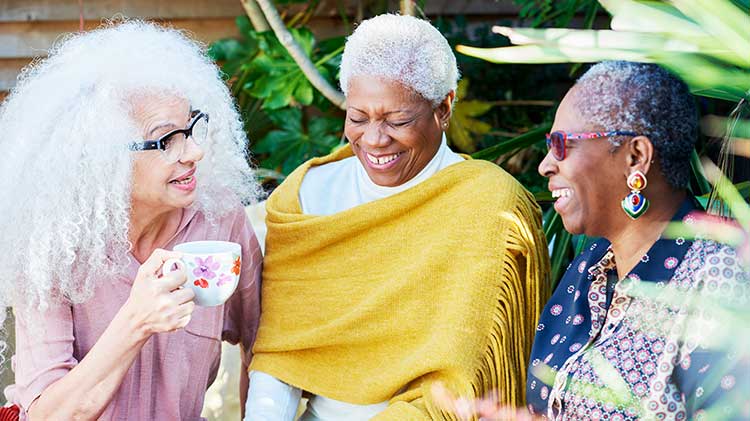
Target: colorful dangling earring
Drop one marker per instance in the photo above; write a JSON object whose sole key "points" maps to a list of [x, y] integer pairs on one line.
{"points": [[635, 204]]}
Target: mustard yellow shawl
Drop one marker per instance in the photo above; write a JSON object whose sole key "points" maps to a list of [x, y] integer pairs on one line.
{"points": [[441, 282]]}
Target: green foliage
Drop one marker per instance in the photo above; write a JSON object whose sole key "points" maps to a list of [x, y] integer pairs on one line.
{"points": [[287, 119], [706, 42], [291, 143], [556, 13], [465, 130]]}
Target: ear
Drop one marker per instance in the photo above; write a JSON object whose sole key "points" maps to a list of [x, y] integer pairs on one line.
{"points": [[445, 108], [640, 154]]}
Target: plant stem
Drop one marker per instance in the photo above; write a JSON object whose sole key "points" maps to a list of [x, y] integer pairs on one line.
{"points": [[299, 56], [329, 56], [407, 7], [256, 15]]}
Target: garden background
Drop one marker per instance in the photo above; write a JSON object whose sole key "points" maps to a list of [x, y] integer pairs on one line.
{"points": [[502, 111]]}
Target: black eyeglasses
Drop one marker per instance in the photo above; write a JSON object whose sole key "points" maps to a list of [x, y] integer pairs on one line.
{"points": [[172, 144], [557, 141]]}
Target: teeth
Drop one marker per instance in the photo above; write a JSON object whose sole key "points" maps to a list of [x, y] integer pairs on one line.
{"points": [[186, 180], [382, 160], [561, 193]]}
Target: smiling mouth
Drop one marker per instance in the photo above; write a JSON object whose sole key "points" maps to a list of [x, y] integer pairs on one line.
{"points": [[383, 159], [186, 180], [561, 193]]}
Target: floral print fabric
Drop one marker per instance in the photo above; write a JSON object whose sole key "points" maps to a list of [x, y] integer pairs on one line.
{"points": [[643, 347]]}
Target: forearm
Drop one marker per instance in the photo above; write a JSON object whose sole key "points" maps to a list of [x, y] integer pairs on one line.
{"points": [[270, 399], [84, 392]]}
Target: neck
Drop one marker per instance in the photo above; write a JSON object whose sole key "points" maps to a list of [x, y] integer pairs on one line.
{"points": [[637, 236], [150, 229]]}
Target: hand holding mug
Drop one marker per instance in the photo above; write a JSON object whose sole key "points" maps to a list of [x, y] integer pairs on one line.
{"points": [[158, 304]]}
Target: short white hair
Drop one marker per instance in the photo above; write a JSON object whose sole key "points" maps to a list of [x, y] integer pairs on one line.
{"points": [[404, 49], [66, 170]]}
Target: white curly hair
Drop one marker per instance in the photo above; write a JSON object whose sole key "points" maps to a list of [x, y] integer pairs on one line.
{"points": [[66, 175], [404, 49]]}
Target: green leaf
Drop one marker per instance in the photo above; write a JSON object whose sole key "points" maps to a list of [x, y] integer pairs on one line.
{"points": [[281, 95], [539, 54], [649, 16], [704, 187], [303, 93], [464, 130], [263, 87], [289, 118], [304, 38], [722, 19], [525, 140], [289, 145], [560, 252], [244, 25]]}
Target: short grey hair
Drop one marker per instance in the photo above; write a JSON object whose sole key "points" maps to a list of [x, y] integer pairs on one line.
{"points": [[646, 99], [404, 49]]}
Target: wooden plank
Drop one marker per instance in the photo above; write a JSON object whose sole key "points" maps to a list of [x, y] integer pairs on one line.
{"points": [[41, 10], [469, 7], [46, 10], [9, 69], [32, 39]]}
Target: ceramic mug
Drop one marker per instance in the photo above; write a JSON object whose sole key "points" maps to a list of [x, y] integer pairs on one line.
{"points": [[212, 269]]}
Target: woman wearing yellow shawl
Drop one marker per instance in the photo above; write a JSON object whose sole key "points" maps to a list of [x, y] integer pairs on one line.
{"points": [[395, 263]]}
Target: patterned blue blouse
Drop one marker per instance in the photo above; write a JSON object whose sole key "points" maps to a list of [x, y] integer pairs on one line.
{"points": [[637, 348]]}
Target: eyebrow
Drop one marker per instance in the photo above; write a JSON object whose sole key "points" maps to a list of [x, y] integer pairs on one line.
{"points": [[160, 126], [386, 113]]}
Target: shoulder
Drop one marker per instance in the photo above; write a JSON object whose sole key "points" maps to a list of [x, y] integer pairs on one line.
{"points": [[718, 272], [230, 220], [488, 180], [578, 269]]}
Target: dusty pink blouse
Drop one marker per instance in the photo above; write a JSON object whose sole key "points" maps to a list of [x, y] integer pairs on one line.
{"points": [[169, 378]]}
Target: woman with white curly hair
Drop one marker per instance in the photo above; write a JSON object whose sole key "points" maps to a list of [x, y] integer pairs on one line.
{"points": [[110, 161], [395, 263]]}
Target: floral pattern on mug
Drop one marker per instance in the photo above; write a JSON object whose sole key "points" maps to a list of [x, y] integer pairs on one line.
{"points": [[224, 279], [206, 267], [236, 267], [201, 283]]}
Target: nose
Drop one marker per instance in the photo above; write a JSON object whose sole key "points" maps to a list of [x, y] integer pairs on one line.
{"points": [[192, 152], [548, 166], [374, 136]]}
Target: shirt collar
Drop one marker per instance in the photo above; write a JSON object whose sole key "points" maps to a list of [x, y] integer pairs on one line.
{"points": [[429, 170], [661, 260]]}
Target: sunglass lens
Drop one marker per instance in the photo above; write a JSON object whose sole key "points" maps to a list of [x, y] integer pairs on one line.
{"points": [[557, 145]]}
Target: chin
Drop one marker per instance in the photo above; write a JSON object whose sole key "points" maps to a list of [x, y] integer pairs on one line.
{"points": [[385, 180], [573, 227]]}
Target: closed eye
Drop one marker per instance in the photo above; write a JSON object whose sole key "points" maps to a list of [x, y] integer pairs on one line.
{"points": [[357, 121]]}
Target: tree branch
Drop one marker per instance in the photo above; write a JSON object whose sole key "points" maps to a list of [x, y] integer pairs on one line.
{"points": [[299, 56], [256, 15]]}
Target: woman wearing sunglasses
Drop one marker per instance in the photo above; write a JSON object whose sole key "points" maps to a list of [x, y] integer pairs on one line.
{"points": [[111, 160], [609, 345]]}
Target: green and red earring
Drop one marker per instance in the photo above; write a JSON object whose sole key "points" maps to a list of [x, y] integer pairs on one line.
{"points": [[635, 204]]}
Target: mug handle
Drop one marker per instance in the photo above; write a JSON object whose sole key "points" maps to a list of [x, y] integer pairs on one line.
{"points": [[168, 266]]}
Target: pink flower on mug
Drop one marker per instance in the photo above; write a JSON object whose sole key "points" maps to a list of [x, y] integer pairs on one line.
{"points": [[223, 279], [205, 267]]}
